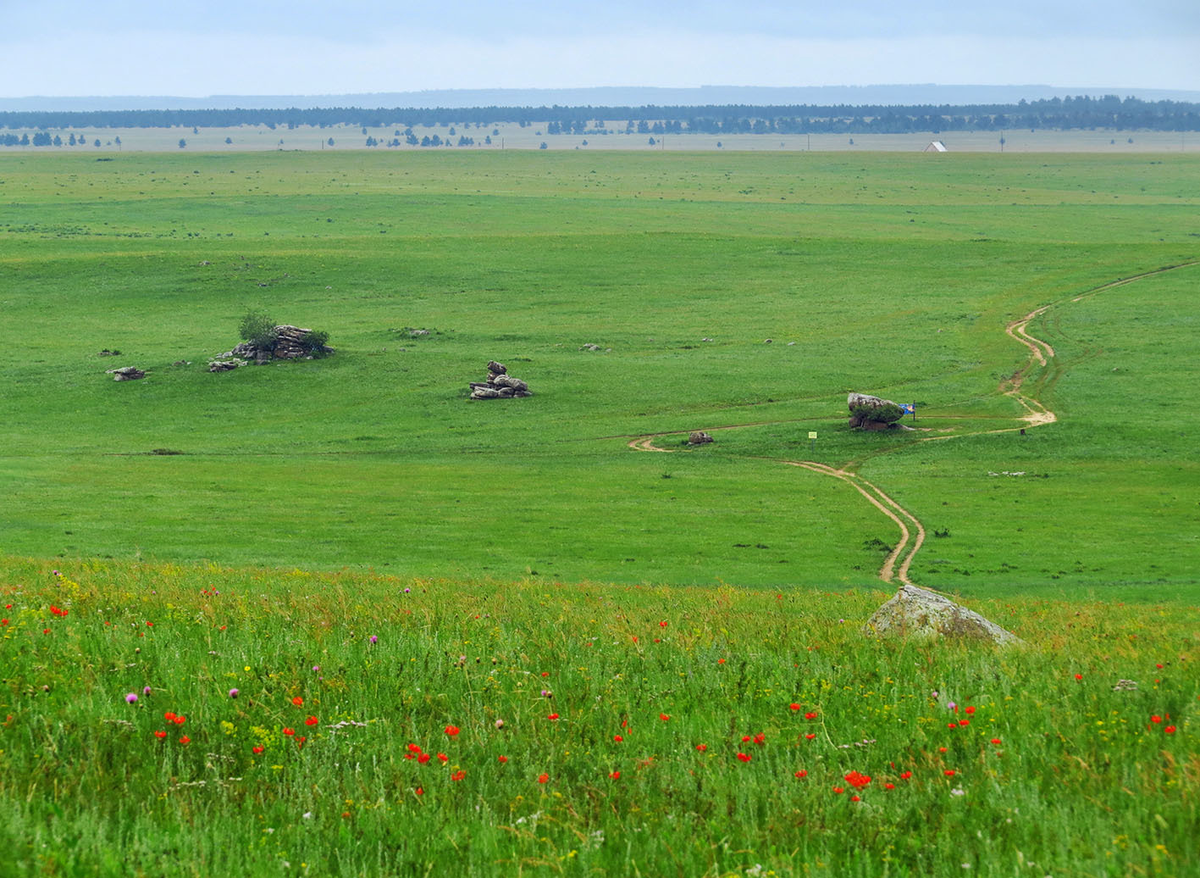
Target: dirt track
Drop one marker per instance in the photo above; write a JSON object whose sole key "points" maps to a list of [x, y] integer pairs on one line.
{"points": [[1041, 355]]}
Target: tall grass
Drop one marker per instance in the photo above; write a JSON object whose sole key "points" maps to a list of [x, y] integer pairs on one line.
{"points": [[354, 724]]}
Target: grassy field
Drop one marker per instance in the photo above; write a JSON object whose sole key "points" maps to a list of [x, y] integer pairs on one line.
{"points": [[884, 274], [166, 720], [246, 615]]}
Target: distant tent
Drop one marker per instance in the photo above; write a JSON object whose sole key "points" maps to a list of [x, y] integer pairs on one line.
{"points": [[935, 146]]}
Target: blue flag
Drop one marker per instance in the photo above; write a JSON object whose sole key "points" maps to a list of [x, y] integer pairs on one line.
{"points": [[909, 408]]}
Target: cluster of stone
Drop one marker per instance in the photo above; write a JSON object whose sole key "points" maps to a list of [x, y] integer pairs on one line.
{"points": [[290, 344], [499, 384], [126, 373]]}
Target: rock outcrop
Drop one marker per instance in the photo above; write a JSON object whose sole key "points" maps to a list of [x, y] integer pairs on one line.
{"points": [[499, 384], [872, 413], [291, 343], [126, 373], [698, 437], [922, 614]]}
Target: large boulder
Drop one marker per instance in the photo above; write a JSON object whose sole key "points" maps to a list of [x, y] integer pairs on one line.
{"points": [[925, 615], [872, 412]]}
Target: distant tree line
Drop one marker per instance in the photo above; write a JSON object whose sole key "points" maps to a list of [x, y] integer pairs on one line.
{"points": [[1108, 112]]}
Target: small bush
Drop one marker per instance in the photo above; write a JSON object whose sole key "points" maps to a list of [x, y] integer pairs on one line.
{"points": [[883, 414], [258, 329], [314, 342]]}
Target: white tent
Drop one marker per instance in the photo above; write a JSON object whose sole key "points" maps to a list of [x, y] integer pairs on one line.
{"points": [[935, 146]]}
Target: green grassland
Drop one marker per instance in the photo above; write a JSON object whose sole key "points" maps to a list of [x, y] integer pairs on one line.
{"points": [[893, 275], [343, 559], [582, 729], [888, 274]]}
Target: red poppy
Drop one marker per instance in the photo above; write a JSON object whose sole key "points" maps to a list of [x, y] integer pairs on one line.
{"points": [[906, 775], [420, 791], [442, 757], [414, 748], [662, 624], [458, 775], [180, 720], [288, 731], [3, 621], [618, 738], [720, 661], [794, 706], [996, 741], [744, 757], [1156, 719], [858, 780], [839, 790], [812, 714], [664, 717], [745, 739], [1078, 677], [855, 798], [760, 738], [949, 772], [503, 759], [311, 721], [1170, 730], [615, 775], [970, 710], [809, 736], [300, 741], [298, 701], [941, 749], [169, 717], [545, 673], [543, 778], [160, 734], [451, 731], [553, 717], [803, 772], [423, 758], [889, 786], [185, 740], [701, 747], [964, 722], [952, 725], [256, 750]]}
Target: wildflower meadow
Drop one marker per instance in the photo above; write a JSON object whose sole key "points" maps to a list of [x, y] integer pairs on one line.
{"points": [[165, 720]]}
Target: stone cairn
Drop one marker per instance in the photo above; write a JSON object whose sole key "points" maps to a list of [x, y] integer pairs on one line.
{"points": [[288, 345], [499, 385]]}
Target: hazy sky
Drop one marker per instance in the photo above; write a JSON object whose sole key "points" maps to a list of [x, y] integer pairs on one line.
{"points": [[186, 48]]}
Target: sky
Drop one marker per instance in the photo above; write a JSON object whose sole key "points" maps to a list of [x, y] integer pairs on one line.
{"points": [[256, 47]]}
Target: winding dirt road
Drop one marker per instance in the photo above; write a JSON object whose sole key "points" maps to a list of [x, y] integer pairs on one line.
{"points": [[912, 532]]}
